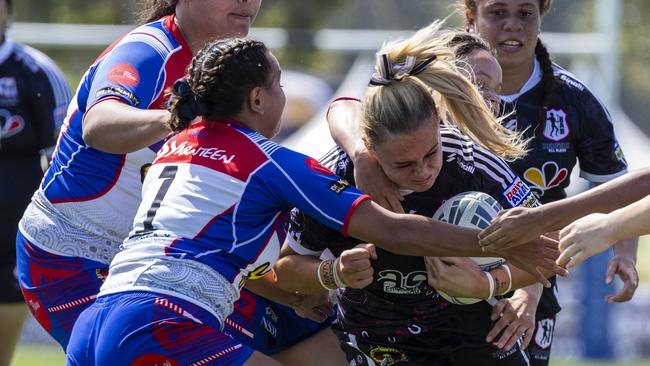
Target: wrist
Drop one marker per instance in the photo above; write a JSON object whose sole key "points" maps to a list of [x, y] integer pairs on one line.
{"points": [[491, 285], [502, 280], [325, 273]]}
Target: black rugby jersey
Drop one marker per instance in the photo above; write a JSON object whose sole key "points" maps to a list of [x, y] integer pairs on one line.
{"points": [[34, 96], [574, 127], [399, 303]]}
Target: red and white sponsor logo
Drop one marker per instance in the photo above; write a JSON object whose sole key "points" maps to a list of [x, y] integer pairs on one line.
{"points": [[124, 74]]}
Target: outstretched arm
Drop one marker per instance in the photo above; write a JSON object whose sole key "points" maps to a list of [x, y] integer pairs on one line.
{"points": [[594, 233], [520, 225], [423, 236]]}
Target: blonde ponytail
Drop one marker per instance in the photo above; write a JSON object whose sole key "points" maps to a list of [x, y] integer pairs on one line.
{"points": [[400, 104]]}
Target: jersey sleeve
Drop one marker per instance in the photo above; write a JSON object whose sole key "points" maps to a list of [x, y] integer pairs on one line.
{"points": [[308, 236], [131, 72], [302, 182], [601, 158]]}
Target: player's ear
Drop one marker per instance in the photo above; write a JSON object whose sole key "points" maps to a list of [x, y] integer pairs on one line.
{"points": [[255, 100]]}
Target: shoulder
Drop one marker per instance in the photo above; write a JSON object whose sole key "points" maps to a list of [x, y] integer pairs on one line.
{"points": [[35, 60], [574, 92], [468, 156], [565, 79]]}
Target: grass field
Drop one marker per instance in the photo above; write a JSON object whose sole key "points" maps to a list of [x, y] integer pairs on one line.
{"points": [[28, 355]]}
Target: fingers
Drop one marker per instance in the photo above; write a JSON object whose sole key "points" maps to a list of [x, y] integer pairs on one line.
{"points": [[630, 283], [528, 336], [612, 268], [370, 248], [394, 201], [505, 313], [580, 257]]}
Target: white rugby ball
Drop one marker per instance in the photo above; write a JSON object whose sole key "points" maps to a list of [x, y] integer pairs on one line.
{"points": [[474, 210]]}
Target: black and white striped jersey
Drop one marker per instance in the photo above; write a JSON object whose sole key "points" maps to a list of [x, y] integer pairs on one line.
{"points": [[399, 300]]}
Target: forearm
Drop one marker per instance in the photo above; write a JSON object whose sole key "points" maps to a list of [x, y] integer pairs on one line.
{"points": [[524, 281], [268, 287], [114, 127], [299, 273], [413, 235], [604, 198], [630, 222], [343, 119]]}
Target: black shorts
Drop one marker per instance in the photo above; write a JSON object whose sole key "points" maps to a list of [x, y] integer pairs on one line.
{"points": [[453, 337], [366, 354], [9, 289]]}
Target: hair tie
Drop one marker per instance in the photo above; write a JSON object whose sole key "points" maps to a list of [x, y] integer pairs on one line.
{"points": [[389, 73], [190, 105]]}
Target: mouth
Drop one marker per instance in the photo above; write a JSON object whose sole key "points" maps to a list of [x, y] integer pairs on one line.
{"points": [[242, 17], [511, 45]]}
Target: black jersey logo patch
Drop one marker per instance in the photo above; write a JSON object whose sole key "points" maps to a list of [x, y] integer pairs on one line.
{"points": [[549, 176], [10, 124], [556, 128]]}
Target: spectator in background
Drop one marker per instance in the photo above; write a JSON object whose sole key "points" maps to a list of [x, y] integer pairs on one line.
{"points": [[33, 98]]}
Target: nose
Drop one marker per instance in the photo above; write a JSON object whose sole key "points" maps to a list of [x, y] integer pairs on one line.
{"points": [[513, 24]]}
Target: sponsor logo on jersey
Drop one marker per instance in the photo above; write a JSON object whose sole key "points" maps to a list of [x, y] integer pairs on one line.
{"points": [[10, 125], [124, 74], [398, 283], [119, 91], [8, 88], [465, 165], [556, 127], [212, 153], [556, 147], [387, 356], [567, 79], [544, 333], [618, 152], [517, 193], [549, 176], [339, 186]]}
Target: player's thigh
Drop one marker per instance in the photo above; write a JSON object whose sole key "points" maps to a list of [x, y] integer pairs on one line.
{"points": [[321, 348]]}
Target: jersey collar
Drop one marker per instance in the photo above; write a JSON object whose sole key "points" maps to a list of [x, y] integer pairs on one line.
{"points": [[534, 79], [6, 48]]}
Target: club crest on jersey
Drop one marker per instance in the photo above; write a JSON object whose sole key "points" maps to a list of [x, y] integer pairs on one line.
{"points": [[556, 127], [517, 193], [549, 176], [544, 334], [10, 124]]}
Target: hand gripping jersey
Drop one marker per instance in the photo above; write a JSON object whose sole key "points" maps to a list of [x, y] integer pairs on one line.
{"points": [[88, 198], [399, 309], [574, 127], [33, 98], [215, 212]]}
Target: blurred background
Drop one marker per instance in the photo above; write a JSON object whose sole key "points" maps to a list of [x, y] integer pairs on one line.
{"points": [[326, 48]]}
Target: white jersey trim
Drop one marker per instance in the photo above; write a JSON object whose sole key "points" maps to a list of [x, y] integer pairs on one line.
{"points": [[601, 178], [298, 248]]}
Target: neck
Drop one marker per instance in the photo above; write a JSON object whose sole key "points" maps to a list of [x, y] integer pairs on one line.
{"points": [[192, 38], [514, 78]]}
